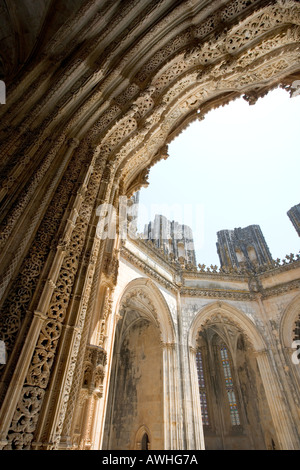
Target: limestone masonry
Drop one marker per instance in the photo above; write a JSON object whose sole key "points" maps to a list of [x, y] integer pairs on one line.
{"points": [[126, 343]]}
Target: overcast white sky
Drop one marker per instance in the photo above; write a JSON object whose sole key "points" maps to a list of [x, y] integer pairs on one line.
{"points": [[239, 166]]}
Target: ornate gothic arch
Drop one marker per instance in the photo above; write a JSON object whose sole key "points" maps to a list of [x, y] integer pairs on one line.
{"points": [[86, 117], [288, 322], [153, 80], [219, 312], [226, 345], [142, 295], [191, 76]]}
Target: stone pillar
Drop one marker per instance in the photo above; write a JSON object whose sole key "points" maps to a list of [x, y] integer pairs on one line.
{"points": [[196, 405], [294, 216], [106, 338], [171, 398], [39, 318], [27, 388], [167, 397], [85, 442], [286, 434]]}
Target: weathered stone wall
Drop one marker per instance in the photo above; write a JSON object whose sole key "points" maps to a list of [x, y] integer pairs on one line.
{"points": [[95, 93], [197, 300], [137, 389]]}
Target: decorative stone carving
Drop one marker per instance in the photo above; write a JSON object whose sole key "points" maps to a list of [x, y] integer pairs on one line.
{"points": [[138, 300], [110, 267], [21, 293], [25, 419], [94, 370]]}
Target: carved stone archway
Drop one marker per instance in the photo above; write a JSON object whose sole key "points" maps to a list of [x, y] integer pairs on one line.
{"points": [[223, 314], [289, 335], [288, 321], [144, 330], [85, 119]]}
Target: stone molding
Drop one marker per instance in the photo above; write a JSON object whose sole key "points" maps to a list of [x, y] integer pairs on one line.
{"points": [[221, 276]]}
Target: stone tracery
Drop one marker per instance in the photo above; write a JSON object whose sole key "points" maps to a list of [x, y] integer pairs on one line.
{"points": [[134, 94]]}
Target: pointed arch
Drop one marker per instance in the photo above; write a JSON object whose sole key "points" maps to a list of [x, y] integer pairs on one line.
{"points": [[222, 310], [143, 365], [288, 321], [142, 431], [152, 303], [227, 342], [283, 429]]}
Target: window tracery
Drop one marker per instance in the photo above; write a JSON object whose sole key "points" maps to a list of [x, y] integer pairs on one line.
{"points": [[296, 342], [202, 388], [296, 331], [229, 386]]}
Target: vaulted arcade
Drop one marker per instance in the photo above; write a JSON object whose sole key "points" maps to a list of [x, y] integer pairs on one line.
{"points": [[95, 92]]}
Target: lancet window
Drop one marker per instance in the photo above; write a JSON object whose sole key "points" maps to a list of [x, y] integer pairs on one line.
{"points": [[233, 407]]}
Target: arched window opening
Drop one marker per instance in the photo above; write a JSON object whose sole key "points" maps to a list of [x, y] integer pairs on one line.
{"points": [[233, 407], [297, 330], [230, 389], [202, 389], [296, 342]]}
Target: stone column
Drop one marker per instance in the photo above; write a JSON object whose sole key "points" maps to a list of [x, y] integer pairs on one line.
{"points": [[286, 434], [85, 442], [172, 422], [27, 387], [292, 358], [167, 398], [11, 399], [195, 401]]}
